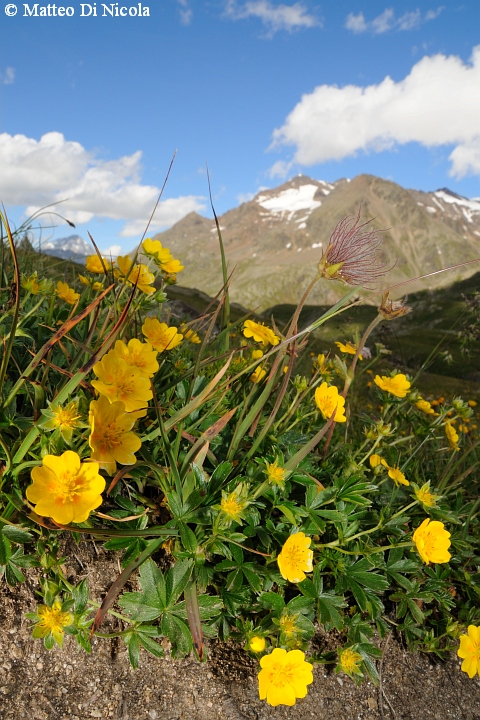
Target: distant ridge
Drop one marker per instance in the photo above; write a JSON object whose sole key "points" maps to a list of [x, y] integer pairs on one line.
{"points": [[275, 240]]}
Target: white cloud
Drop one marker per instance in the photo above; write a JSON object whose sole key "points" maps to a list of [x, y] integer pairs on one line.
{"points": [[356, 23], [387, 21], [438, 103], [274, 17], [7, 77], [185, 12], [39, 172], [112, 251]]}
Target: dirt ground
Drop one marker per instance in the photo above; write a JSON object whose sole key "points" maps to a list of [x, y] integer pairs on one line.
{"points": [[68, 684]]}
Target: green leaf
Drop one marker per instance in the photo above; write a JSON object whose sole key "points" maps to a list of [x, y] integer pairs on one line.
{"points": [[301, 604], [209, 606], [152, 601], [177, 579], [5, 550], [153, 647], [178, 634], [13, 575], [360, 572], [80, 596], [133, 650], [271, 601], [187, 537], [353, 490], [316, 498], [252, 577], [17, 535]]}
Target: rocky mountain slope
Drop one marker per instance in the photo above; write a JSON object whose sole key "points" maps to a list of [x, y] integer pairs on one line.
{"points": [[72, 247], [274, 242]]}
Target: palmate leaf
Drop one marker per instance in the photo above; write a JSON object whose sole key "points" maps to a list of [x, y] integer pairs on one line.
{"points": [[209, 606], [328, 603], [179, 635], [152, 601], [364, 584], [353, 490]]}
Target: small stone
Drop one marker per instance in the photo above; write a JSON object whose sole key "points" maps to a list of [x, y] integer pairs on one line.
{"points": [[372, 703], [340, 681], [39, 666], [95, 713], [209, 704], [152, 714]]}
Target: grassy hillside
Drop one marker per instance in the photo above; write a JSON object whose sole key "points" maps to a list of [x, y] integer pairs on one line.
{"points": [[436, 318]]}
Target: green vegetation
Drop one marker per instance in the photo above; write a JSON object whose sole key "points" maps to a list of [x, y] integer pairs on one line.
{"points": [[259, 485]]}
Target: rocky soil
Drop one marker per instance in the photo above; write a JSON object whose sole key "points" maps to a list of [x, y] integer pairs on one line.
{"points": [[67, 684]]}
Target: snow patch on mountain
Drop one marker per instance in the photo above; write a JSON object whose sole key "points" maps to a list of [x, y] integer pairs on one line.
{"points": [[291, 201], [72, 247], [469, 208]]}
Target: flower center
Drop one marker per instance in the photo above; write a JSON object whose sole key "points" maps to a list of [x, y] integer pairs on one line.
{"points": [[67, 487], [111, 436], [425, 497], [231, 507], [349, 660], [281, 675], [294, 555], [66, 418]]}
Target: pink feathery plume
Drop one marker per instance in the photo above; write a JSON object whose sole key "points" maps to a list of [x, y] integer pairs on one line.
{"points": [[353, 253]]}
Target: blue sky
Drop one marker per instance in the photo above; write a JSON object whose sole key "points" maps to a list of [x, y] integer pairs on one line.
{"points": [[93, 108]]}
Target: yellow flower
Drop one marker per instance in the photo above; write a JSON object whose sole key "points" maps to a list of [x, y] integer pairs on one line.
{"points": [[320, 363], [425, 407], [397, 385], [65, 419], [472, 403], [160, 336], [327, 399], [257, 354], [94, 285], [161, 256], [424, 496], [275, 474], [295, 558], [469, 651], [117, 380], [349, 348], [432, 541], [376, 460], [452, 436], [257, 644], [288, 624], [155, 250], [284, 677], [397, 476], [65, 292], [260, 333], [234, 503], [172, 267], [138, 355], [94, 264], [350, 662], [137, 274], [52, 620], [65, 489], [258, 374], [31, 284], [111, 439], [190, 334]]}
